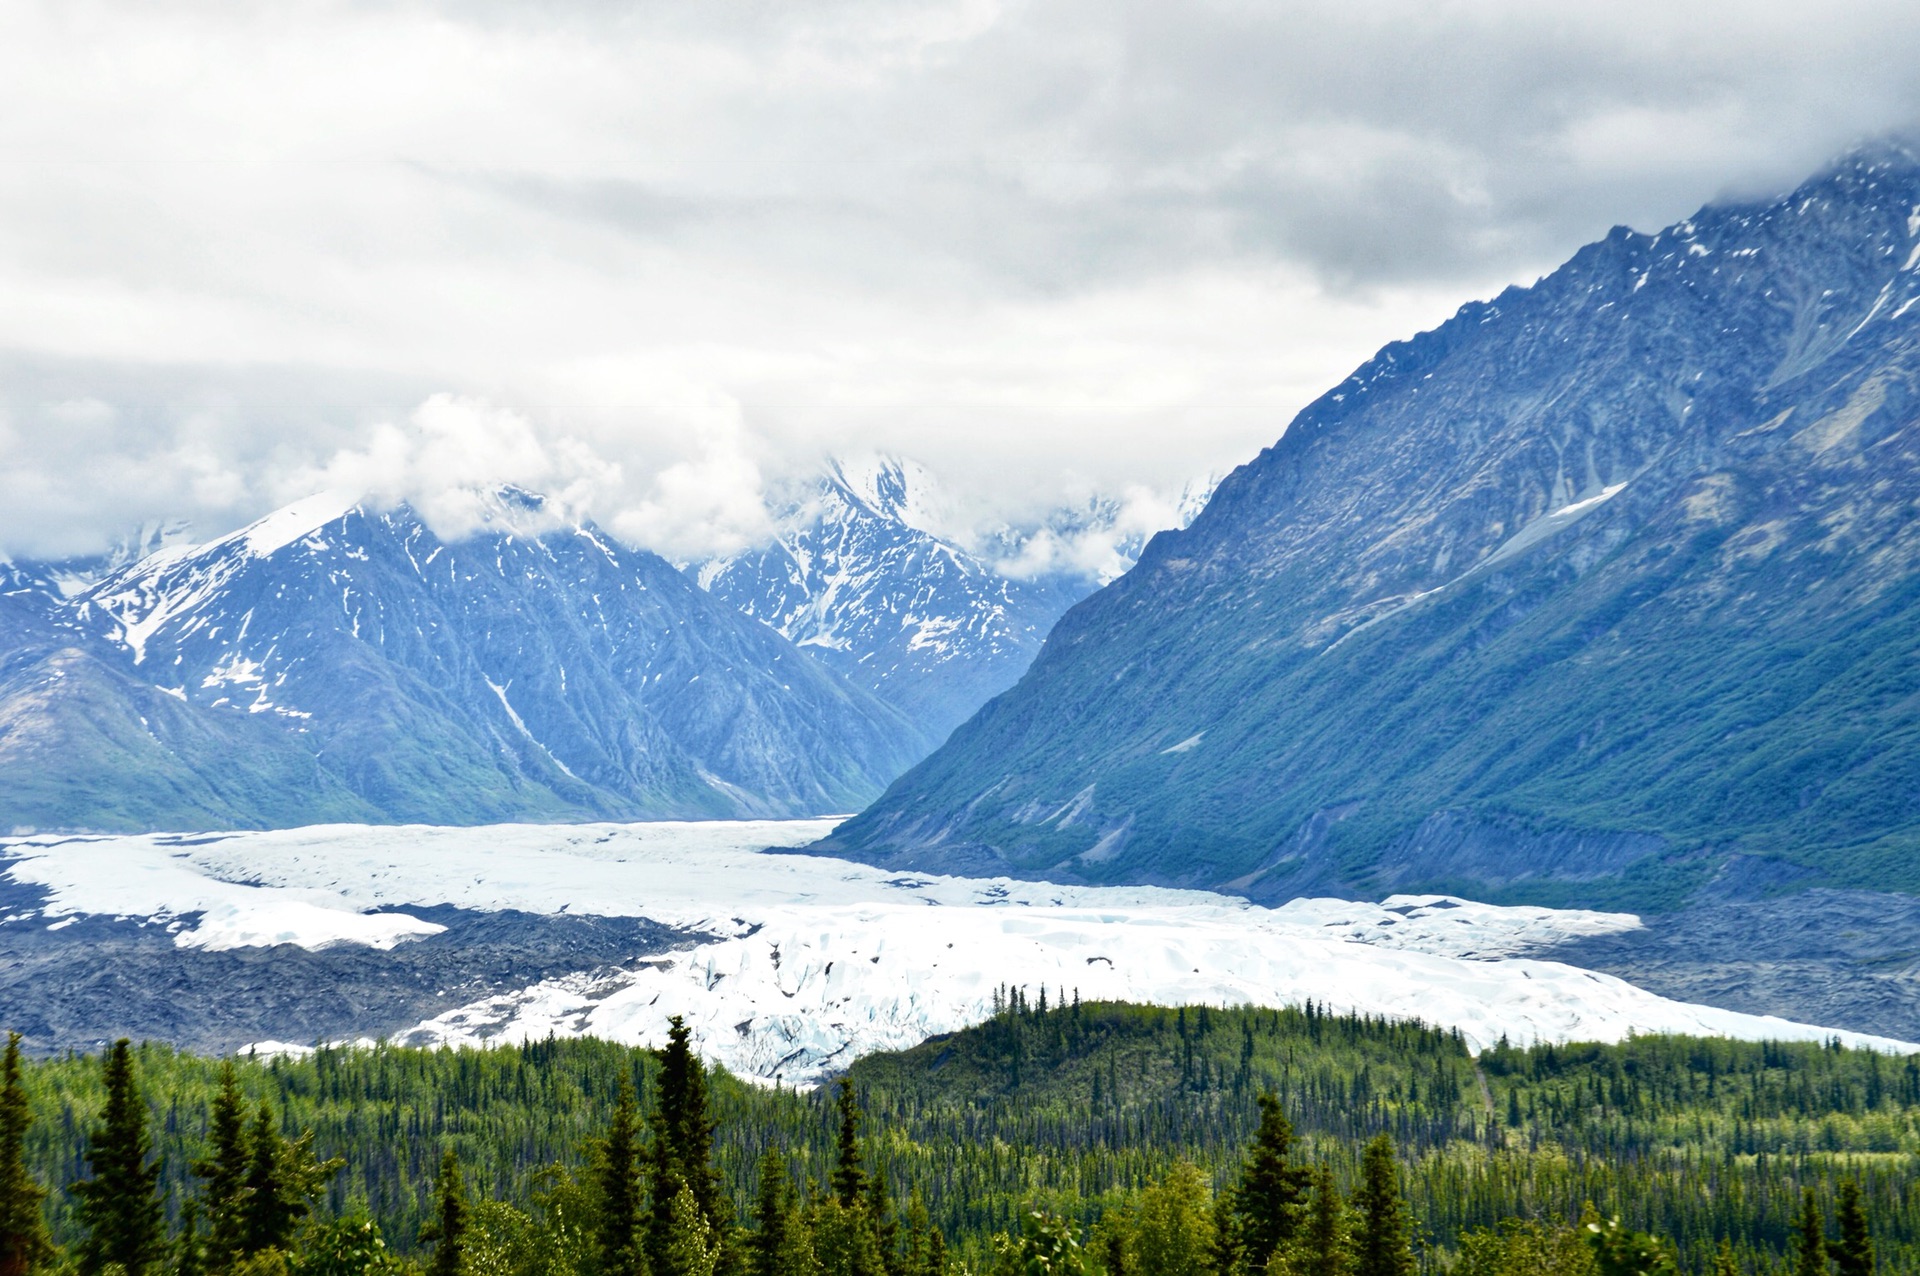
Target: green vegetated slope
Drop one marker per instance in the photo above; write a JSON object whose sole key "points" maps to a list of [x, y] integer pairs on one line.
{"points": [[1572, 598], [1075, 1109], [69, 716]]}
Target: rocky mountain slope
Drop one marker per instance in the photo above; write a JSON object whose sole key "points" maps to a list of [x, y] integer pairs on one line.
{"points": [[859, 576], [1601, 591], [337, 662]]}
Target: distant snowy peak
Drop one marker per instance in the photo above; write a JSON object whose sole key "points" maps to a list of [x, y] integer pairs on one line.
{"points": [[166, 587], [301, 519], [891, 488], [70, 577], [857, 575], [1098, 539], [937, 622], [530, 668]]}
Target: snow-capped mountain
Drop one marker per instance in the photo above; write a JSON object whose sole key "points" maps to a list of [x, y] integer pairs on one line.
{"points": [[866, 573], [71, 577], [537, 670]]}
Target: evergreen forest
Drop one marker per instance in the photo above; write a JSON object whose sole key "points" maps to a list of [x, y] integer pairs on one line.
{"points": [[1061, 1139]]}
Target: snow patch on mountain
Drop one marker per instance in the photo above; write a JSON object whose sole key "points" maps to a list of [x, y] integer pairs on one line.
{"points": [[809, 962], [293, 522], [168, 585], [875, 571]]}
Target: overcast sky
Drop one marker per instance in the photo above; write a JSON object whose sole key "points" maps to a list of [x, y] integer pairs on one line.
{"points": [[659, 255]]}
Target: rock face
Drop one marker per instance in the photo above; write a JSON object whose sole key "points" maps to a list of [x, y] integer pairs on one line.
{"points": [[858, 577], [1569, 599], [335, 662]]}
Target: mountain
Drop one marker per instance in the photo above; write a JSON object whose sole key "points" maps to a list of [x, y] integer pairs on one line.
{"points": [[1606, 590], [68, 577], [537, 670], [860, 577], [84, 740]]}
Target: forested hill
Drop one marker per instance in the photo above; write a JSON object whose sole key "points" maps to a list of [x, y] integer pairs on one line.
{"points": [[1611, 579], [1076, 1110]]}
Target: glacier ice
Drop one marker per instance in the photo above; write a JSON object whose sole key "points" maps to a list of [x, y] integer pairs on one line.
{"points": [[803, 962]]}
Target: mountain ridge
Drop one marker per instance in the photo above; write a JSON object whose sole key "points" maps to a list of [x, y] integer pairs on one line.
{"points": [[864, 572], [504, 676], [1591, 501]]}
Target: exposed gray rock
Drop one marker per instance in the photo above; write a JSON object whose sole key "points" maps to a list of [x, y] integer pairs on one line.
{"points": [[1849, 959], [96, 979]]}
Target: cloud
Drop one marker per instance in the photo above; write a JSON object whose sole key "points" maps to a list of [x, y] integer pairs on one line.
{"points": [[691, 248], [1099, 537], [450, 460], [712, 503]]}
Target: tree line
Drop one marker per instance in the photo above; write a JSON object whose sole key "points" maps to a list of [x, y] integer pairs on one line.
{"points": [[1124, 1129]]}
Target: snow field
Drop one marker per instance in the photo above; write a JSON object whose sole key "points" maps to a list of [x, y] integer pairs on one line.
{"points": [[817, 986], [805, 962]]}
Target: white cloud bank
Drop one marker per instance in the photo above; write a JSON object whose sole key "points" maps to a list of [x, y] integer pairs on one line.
{"points": [[695, 248]]}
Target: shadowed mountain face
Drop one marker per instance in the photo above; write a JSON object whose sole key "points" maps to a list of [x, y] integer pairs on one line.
{"points": [[1574, 598], [332, 662]]}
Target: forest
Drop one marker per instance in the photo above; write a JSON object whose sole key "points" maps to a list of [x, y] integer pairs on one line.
{"points": [[1062, 1137]]}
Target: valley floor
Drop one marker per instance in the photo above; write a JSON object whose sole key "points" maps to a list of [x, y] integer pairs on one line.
{"points": [[789, 966]]}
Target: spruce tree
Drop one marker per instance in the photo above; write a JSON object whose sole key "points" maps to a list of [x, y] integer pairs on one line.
{"points": [[1321, 1247], [681, 1151], [282, 1178], [23, 1224], [118, 1209], [849, 1180], [446, 1231], [919, 1256], [843, 1240], [1263, 1207], [223, 1173], [1725, 1262], [269, 1212], [1809, 1238], [1229, 1258], [693, 1249], [886, 1228], [190, 1248], [772, 1217], [1382, 1240], [1853, 1253], [617, 1175]]}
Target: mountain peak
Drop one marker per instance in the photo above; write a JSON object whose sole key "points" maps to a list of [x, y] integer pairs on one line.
{"points": [[890, 487], [266, 536]]}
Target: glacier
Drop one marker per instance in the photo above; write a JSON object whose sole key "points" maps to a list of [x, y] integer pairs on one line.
{"points": [[800, 963]]}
